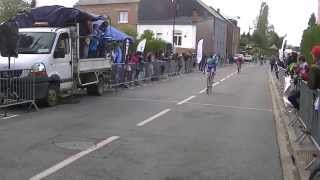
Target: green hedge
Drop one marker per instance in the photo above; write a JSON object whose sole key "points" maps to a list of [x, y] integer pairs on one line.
{"points": [[311, 37]]}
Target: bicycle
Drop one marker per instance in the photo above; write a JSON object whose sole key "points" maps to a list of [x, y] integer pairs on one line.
{"points": [[210, 78]]}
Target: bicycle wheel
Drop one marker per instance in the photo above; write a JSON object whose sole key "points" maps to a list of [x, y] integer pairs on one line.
{"points": [[209, 84]]}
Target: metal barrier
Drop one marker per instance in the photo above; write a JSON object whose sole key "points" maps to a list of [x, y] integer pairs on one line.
{"points": [[16, 87], [126, 74], [308, 114]]}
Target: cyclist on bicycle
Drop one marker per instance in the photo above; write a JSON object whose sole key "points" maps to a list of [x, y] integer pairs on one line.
{"points": [[212, 64]]}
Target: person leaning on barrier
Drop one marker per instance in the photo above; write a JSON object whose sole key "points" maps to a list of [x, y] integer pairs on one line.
{"points": [[134, 60], [314, 72]]}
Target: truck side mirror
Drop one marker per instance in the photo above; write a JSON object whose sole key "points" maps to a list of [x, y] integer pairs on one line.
{"points": [[59, 53]]}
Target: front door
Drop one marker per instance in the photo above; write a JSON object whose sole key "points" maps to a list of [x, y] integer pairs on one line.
{"points": [[63, 63]]}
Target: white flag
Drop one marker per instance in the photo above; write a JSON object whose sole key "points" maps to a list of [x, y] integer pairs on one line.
{"points": [[142, 45], [199, 51]]}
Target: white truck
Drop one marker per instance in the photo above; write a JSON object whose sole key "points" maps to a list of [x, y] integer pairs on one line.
{"points": [[53, 55]]}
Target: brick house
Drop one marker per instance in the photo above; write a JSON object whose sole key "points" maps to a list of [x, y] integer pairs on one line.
{"points": [[121, 12]]}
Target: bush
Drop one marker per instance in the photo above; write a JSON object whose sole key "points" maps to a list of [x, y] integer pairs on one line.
{"points": [[311, 37]]}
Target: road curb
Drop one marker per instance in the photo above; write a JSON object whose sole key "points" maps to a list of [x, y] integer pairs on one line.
{"points": [[289, 169]]}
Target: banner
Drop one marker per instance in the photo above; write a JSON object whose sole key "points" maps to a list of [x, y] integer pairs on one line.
{"points": [[199, 51], [142, 45]]}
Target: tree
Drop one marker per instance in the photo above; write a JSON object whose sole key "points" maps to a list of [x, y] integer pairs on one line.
{"points": [[147, 34], [10, 8], [129, 30], [260, 33], [153, 45], [310, 37], [312, 20]]}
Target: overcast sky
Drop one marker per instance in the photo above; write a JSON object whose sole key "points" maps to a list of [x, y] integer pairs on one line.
{"points": [[288, 16]]}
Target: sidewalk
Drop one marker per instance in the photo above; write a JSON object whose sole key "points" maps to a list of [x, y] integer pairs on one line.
{"points": [[294, 156]]}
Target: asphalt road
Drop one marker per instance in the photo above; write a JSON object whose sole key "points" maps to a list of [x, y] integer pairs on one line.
{"points": [[161, 131]]}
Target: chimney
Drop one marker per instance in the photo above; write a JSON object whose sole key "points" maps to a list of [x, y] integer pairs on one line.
{"points": [[195, 16]]}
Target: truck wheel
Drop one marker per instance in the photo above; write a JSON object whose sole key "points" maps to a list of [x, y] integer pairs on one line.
{"points": [[96, 89], [52, 98]]}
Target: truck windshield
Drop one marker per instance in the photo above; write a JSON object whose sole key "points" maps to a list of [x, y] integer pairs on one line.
{"points": [[35, 42]]}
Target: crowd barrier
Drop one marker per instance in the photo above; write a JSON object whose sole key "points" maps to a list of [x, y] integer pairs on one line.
{"points": [[124, 74], [16, 87]]}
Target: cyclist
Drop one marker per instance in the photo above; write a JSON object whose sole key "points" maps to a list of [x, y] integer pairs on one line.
{"points": [[211, 67]]}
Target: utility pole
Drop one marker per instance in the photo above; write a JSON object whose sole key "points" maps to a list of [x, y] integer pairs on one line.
{"points": [[250, 28], [174, 23], [33, 3]]}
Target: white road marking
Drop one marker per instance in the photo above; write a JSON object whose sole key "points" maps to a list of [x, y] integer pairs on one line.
{"points": [[202, 91], [73, 158], [215, 84], [153, 117], [9, 117], [186, 100], [222, 79]]}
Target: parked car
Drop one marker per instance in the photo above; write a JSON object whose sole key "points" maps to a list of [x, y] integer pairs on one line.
{"points": [[239, 56], [248, 58]]}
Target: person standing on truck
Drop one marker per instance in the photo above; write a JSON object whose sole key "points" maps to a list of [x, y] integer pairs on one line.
{"points": [[94, 42]]}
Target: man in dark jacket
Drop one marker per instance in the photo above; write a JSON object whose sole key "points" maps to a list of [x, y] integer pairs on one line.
{"points": [[314, 73]]}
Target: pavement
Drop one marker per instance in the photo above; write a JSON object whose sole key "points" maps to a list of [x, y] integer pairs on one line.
{"points": [[168, 130]]}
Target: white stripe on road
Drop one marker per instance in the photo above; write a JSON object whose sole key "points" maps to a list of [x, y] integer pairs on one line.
{"points": [[215, 84], [222, 79], [73, 158], [186, 100], [153, 117], [202, 91], [9, 117]]}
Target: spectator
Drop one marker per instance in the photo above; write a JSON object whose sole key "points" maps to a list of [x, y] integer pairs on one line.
{"points": [[272, 63], [293, 70], [117, 55], [303, 68], [292, 63], [202, 63], [134, 61], [94, 42], [314, 73]]}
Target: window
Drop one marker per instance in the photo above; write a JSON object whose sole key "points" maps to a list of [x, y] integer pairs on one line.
{"points": [[177, 38], [35, 42], [123, 17], [63, 43]]}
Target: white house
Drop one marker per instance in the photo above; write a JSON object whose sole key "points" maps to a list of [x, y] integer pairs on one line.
{"points": [[184, 36]]}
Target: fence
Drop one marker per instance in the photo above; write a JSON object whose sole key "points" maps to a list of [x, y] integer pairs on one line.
{"points": [[308, 113], [16, 87], [123, 74]]}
